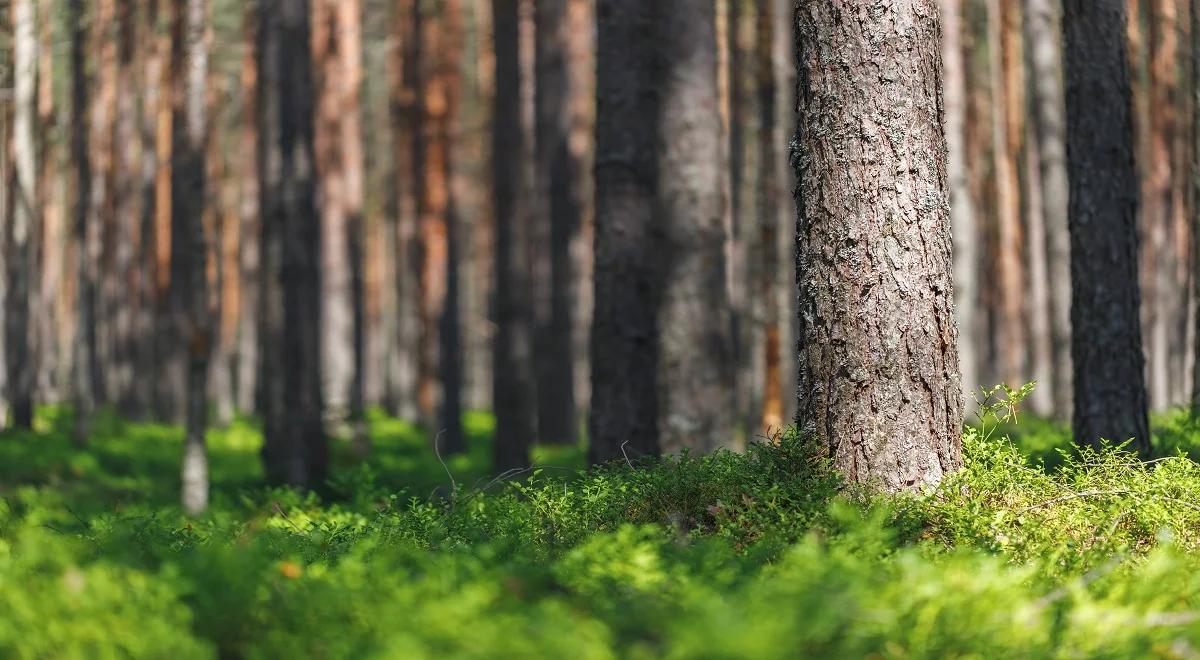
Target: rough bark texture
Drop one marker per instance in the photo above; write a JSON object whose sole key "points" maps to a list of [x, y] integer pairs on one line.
{"points": [[1045, 60], [188, 207], [513, 390], [559, 215], [879, 378], [661, 340], [295, 450], [85, 385], [1110, 392], [24, 218], [962, 211]]}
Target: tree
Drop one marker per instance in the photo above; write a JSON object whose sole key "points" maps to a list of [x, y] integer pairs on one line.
{"points": [[962, 211], [295, 450], [85, 378], [1045, 59], [1106, 343], [513, 390], [189, 186], [1195, 176], [771, 418], [559, 215], [661, 350], [24, 218], [879, 377]]}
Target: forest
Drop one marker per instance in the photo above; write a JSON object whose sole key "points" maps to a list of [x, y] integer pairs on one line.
{"points": [[599, 328]]}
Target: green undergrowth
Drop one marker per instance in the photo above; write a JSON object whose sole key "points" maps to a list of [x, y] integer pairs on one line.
{"points": [[759, 554]]}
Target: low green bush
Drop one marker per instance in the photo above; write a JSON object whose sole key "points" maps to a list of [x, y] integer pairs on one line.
{"points": [[757, 554]]}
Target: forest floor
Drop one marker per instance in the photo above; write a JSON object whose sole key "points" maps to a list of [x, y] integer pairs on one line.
{"points": [[1033, 550]]}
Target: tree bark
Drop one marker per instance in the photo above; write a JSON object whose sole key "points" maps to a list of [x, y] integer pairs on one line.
{"points": [[189, 185], [24, 218], [85, 379], [295, 450], [1110, 392], [879, 377], [1049, 116], [662, 372], [770, 419], [247, 382], [513, 387], [559, 215]]}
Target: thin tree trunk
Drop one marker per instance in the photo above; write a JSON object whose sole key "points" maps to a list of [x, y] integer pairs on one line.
{"points": [[1037, 283], [1195, 175], [962, 211], [769, 194], [189, 187], [559, 218], [126, 223], [85, 380], [251, 248], [295, 450], [1045, 59], [879, 378], [23, 225], [145, 322], [1110, 392], [50, 320], [513, 366]]}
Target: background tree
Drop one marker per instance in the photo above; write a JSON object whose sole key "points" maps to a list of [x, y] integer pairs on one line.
{"points": [[85, 380], [1110, 392], [295, 450], [880, 389]]}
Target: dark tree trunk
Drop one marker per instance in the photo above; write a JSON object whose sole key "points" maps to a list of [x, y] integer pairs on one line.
{"points": [[1195, 174], [879, 378], [559, 216], [295, 450], [247, 381], [770, 419], [661, 340], [23, 224], [189, 186], [513, 348], [86, 370], [1110, 390]]}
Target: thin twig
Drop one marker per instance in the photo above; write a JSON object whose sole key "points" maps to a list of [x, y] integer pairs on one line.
{"points": [[627, 461], [279, 510], [438, 452]]}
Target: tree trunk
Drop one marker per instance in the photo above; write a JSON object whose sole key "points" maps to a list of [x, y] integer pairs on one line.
{"points": [[247, 383], [879, 379], [1045, 59], [1195, 176], [513, 349], [962, 211], [1110, 392], [24, 218], [662, 371], [126, 231], [295, 450], [559, 217], [50, 319], [189, 186], [86, 370], [770, 419]]}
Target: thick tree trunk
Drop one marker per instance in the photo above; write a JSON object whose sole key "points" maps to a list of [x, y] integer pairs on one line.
{"points": [[879, 379], [962, 211], [559, 214], [295, 450], [85, 387], [1110, 392], [513, 349], [662, 369], [24, 218], [1045, 59], [190, 259]]}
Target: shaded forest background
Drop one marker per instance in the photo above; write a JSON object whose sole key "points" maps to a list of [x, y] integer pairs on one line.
{"points": [[434, 119]]}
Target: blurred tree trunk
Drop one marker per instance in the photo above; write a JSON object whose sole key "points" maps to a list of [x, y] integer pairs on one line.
{"points": [[24, 217], [295, 450], [770, 420], [662, 371], [406, 124], [962, 212], [247, 382], [1045, 59], [85, 379], [102, 204], [1110, 393], [145, 367], [558, 217], [879, 389], [50, 318], [337, 52], [125, 233], [1195, 182], [190, 243], [513, 367], [1007, 113]]}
